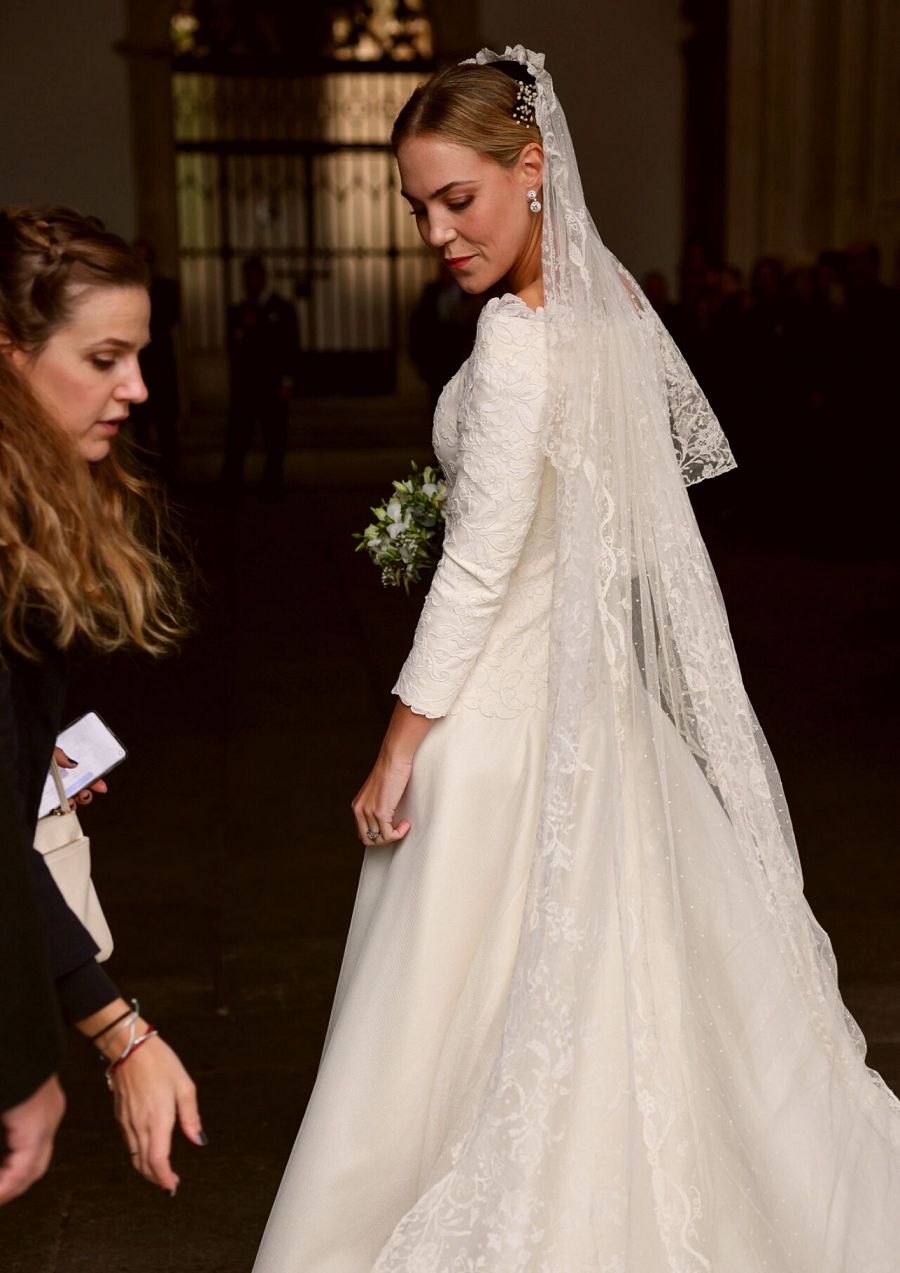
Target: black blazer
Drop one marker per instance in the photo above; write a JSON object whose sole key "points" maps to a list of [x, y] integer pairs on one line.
{"points": [[30, 1025], [262, 345], [32, 695]]}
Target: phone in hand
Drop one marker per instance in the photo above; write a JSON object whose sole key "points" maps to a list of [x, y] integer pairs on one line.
{"points": [[90, 742]]}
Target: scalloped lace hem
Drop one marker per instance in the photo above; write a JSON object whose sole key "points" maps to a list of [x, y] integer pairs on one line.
{"points": [[419, 711]]}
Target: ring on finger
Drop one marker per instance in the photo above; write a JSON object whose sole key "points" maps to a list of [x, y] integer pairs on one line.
{"points": [[372, 835]]}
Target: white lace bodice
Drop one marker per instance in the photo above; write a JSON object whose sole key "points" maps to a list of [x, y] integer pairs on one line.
{"points": [[482, 639]]}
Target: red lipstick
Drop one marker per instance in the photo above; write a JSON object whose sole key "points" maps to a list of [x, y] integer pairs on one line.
{"points": [[458, 262]]}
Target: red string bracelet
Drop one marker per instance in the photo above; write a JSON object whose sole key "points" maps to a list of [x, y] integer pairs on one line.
{"points": [[152, 1033]]}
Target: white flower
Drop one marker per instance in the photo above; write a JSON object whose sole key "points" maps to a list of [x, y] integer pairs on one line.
{"points": [[401, 540]]}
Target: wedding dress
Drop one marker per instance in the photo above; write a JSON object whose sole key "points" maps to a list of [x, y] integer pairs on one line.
{"points": [[585, 1022]]}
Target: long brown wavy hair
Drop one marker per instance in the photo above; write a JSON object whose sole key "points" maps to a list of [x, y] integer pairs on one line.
{"points": [[84, 548]]}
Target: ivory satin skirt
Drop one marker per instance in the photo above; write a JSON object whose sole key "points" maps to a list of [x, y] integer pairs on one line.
{"points": [[709, 1125], [419, 1001]]}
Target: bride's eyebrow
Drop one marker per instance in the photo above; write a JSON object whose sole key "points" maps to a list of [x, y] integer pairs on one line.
{"points": [[436, 194]]}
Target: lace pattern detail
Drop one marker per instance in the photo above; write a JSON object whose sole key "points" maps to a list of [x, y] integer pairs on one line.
{"points": [[489, 437]]}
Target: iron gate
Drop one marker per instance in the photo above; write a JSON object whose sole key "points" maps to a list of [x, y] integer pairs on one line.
{"points": [[297, 170]]}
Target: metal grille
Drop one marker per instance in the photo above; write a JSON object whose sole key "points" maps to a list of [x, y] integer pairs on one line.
{"points": [[298, 171]]}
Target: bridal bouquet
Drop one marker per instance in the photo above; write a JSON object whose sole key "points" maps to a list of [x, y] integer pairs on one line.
{"points": [[405, 538]]}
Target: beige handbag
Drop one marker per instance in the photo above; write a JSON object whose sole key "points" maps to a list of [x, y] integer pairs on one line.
{"points": [[67, 852]]}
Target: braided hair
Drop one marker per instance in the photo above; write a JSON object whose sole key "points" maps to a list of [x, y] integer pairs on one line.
{"points": [[82, 546], [45, 254]]}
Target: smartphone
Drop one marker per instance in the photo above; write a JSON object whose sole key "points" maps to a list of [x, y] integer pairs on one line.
{"points": [[91, 742]]}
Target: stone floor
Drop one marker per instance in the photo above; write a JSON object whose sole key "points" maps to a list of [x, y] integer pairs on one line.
{"points": [[227, 863]]}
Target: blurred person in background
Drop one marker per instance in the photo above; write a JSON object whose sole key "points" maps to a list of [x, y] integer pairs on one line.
{"points": [[262, 358], [156, 420], [656, 289], [442, 331], [867, 339]]}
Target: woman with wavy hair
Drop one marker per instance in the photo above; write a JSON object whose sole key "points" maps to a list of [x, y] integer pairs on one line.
{"points": [[82, 562], [586, 1021]]}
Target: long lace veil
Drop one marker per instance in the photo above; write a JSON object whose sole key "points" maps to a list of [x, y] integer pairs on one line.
{"points": [[641, 655]]}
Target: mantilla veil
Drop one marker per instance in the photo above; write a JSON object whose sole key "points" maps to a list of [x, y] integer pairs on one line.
{"points": [[733, 1124]]}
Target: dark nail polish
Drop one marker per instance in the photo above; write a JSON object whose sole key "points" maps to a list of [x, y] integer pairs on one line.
{"points": [[202, 1138]]}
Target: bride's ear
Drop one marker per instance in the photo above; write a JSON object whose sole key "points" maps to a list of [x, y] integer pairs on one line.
{"points": [[530, 165]]}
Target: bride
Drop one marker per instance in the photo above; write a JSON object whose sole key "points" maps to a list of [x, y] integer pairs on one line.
{"points": [[586, 1021]]}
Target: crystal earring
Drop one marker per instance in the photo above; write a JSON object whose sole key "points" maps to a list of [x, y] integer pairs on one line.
{"points": [[534, 202]]}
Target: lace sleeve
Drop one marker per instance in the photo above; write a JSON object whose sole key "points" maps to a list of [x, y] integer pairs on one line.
{"points": [[489, 510]]}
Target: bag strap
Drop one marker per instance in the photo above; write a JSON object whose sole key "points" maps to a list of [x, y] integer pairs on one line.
{"points": [[60, 786]]}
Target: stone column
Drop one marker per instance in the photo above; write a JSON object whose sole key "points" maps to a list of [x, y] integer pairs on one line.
{"points": [[148, 51]]}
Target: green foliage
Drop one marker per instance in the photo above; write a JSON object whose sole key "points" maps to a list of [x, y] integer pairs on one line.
{"points": [[405, 538]]}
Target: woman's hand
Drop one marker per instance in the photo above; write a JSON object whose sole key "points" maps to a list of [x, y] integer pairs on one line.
{"points": [[28, 1130], [151, 1091], [375, 806], [86, 796], [376, 803]]}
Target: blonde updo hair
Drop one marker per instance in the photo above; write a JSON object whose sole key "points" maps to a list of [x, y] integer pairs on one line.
{"points": [[83, 547], [472, 106]]}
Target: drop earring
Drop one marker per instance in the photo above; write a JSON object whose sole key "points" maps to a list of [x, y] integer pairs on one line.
{"points": [[534, 202]]}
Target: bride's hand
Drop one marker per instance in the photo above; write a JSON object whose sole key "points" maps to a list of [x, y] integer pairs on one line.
{"points": [[376, 803], [375, 806]]}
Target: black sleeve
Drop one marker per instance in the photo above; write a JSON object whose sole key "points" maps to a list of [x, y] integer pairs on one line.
{"points": [[82, 985], [68, 942], [85, 991], [31, 1040], [29, 713]]}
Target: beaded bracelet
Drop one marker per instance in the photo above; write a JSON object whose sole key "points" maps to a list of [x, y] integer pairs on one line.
{"points": [[131, 1048]]}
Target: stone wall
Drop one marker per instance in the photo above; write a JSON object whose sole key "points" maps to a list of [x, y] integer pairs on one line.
{"points": [[64, 100], [617, 69]]}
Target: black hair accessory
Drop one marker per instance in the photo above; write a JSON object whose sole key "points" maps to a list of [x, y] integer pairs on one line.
{"points": [[526, 93]]}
